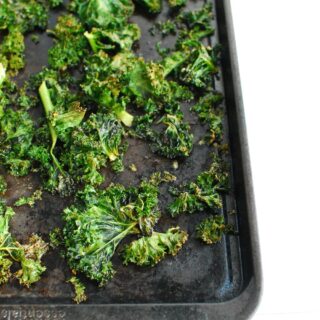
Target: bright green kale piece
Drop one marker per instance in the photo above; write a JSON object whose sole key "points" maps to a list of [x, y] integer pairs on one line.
{"points": [[79, 290], [56, 238], [3, 185], [12, 51], [153, 6], [203, 193], [16, 130], [177, 3], [24, 14], [30, 201], [55, 3], [95, 142], [70, 43], [148, 251], [176, 139], [103, 84], [153, 92], [103, 13], [18, 17], [211, 229], [208, 112], [30, 258], [16, 134], [113, 40], [101, 219], [27, 255], [63, 113]]}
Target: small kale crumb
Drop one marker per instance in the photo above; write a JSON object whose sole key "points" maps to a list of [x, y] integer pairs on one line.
{"points": [[56, 238], [211, 230], [55, 3], [79, 290], [133, 167], [35, 39], [164, 28], [3, 185], [175, 165], [30, 201], [163, 52]]}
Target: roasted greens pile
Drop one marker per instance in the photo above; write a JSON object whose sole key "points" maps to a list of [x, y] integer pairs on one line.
{"points": [[95, 93]]}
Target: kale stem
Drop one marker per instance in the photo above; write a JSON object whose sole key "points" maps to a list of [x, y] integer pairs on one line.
{"points": [[92, 43], [48, 109]]}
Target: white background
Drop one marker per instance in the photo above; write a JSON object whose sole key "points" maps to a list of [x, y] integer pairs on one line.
{"points": [[278, 45]]}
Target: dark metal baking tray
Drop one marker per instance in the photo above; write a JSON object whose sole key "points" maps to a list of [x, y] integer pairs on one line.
{"points": [[201, 282]]}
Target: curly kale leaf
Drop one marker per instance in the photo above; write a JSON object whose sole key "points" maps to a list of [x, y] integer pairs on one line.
{"points": [[16, 134], [203, 193], [30, 201], [101, 219], [3, 185], [30, 259], [113, 40], [153, 6], [26, 15], [18, 17], [177, 3], [208, 112], [196, 24], [95, 141], [199, 68], [103, 13], [79, 290], [27, 255], [103, 84], [70, 44], [212, 229], [60, 116], [175, 141], [55, 3], [153, 92], [12, 51], [148, 251]]}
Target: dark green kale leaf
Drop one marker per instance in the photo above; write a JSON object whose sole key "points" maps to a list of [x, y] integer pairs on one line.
{"points": [[27, 255], [203, 193], [211, 229], [63, 113], [103, 13], [208, 112], [153, 6], [55, 3], [113, 40], [176, 139], [92, 144], [199, 68], [101, 219], [103, 84], [148, 251], [153, 92], [70, 44], [165, 28], [196, 24], [16, 134]]}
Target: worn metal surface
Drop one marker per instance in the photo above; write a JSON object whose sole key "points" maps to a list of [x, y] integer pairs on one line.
{"points": [[201, 280]]}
